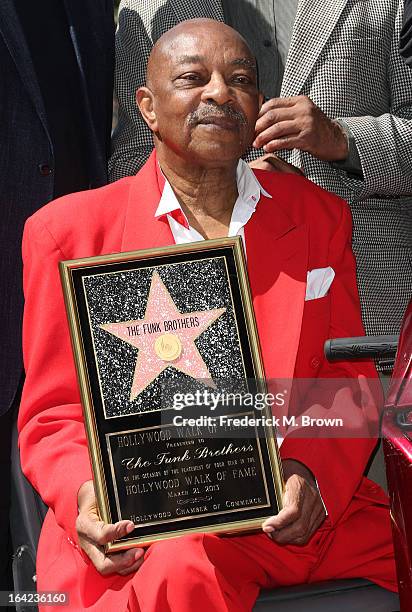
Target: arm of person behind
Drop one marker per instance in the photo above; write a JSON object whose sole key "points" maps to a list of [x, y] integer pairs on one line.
{"points": [[336, 457], [384, 142], [132, 140], [375, 151]]}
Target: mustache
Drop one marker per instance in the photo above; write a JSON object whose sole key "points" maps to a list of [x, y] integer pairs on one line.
{"points": [[213, 111]]}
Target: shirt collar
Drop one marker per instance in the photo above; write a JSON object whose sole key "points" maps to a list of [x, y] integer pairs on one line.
{"points": [[249, 190]]}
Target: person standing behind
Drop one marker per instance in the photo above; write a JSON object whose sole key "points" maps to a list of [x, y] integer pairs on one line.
{"points": [[405, 45], [332, 73], [57, 63]]}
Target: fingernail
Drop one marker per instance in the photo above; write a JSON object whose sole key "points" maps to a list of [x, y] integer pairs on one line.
{"points": [[130, 527]]}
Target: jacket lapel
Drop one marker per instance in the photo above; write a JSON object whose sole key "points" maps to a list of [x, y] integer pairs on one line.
{"points": [[277, 254], [314, 24], [142, 230], [191, 10], [15, 41]]}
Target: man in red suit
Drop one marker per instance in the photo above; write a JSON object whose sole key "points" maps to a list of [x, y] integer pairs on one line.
{"points": [[201, 103]]}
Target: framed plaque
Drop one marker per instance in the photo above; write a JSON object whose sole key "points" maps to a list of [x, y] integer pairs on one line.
{"points": [[167, 352]]}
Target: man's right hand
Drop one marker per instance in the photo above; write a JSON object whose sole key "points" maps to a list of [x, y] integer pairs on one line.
{"points": [[93, 534]]}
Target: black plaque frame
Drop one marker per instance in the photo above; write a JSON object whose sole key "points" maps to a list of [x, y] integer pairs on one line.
{"points": [[101, 430]]}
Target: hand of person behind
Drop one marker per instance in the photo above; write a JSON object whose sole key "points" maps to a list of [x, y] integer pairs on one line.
{"points": [[94, 534], [297, 123]]}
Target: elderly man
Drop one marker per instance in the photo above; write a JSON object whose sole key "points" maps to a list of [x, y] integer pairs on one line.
{"points": [[201, 103], [339, 106]]}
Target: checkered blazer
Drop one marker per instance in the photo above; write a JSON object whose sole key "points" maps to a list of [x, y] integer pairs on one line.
{"points": [[344, 56]]}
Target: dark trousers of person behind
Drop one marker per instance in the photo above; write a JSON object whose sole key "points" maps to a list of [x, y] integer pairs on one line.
{"points": [[6, 578]]}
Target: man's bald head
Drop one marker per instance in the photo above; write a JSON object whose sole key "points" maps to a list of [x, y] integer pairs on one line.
{"points": [[201, 100], [169, 41]]}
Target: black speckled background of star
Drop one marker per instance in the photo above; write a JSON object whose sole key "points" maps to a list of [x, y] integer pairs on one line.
{"points": [[122, 296]]}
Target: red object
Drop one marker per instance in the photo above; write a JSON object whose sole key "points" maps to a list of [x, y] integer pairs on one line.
{"points": [[397, 444], [302, 228]]}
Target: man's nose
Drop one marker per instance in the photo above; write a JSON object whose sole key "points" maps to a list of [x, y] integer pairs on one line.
{"points": [[217, 90]]}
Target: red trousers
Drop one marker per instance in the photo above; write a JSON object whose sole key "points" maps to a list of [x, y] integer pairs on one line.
{"points": [[206, 573]]}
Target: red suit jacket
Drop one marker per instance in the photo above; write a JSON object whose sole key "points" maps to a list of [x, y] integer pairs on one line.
{"points": [[301, 228]]}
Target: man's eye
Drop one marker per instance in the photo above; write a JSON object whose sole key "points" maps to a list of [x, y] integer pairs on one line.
{"points": [[190, 76], [242, 79]]}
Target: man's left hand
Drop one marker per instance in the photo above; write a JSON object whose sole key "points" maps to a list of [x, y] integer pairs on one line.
{"points": [[297, 123], [303, 511]]}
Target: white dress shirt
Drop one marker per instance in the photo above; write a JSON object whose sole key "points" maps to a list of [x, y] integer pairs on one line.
{"points": [[249, 192]]}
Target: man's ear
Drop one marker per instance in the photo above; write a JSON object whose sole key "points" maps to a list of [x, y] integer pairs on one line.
{"points": [[145, 103]]}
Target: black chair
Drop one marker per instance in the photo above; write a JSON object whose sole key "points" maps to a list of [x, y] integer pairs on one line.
{"points": [[337, 595], [26, 518]]}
